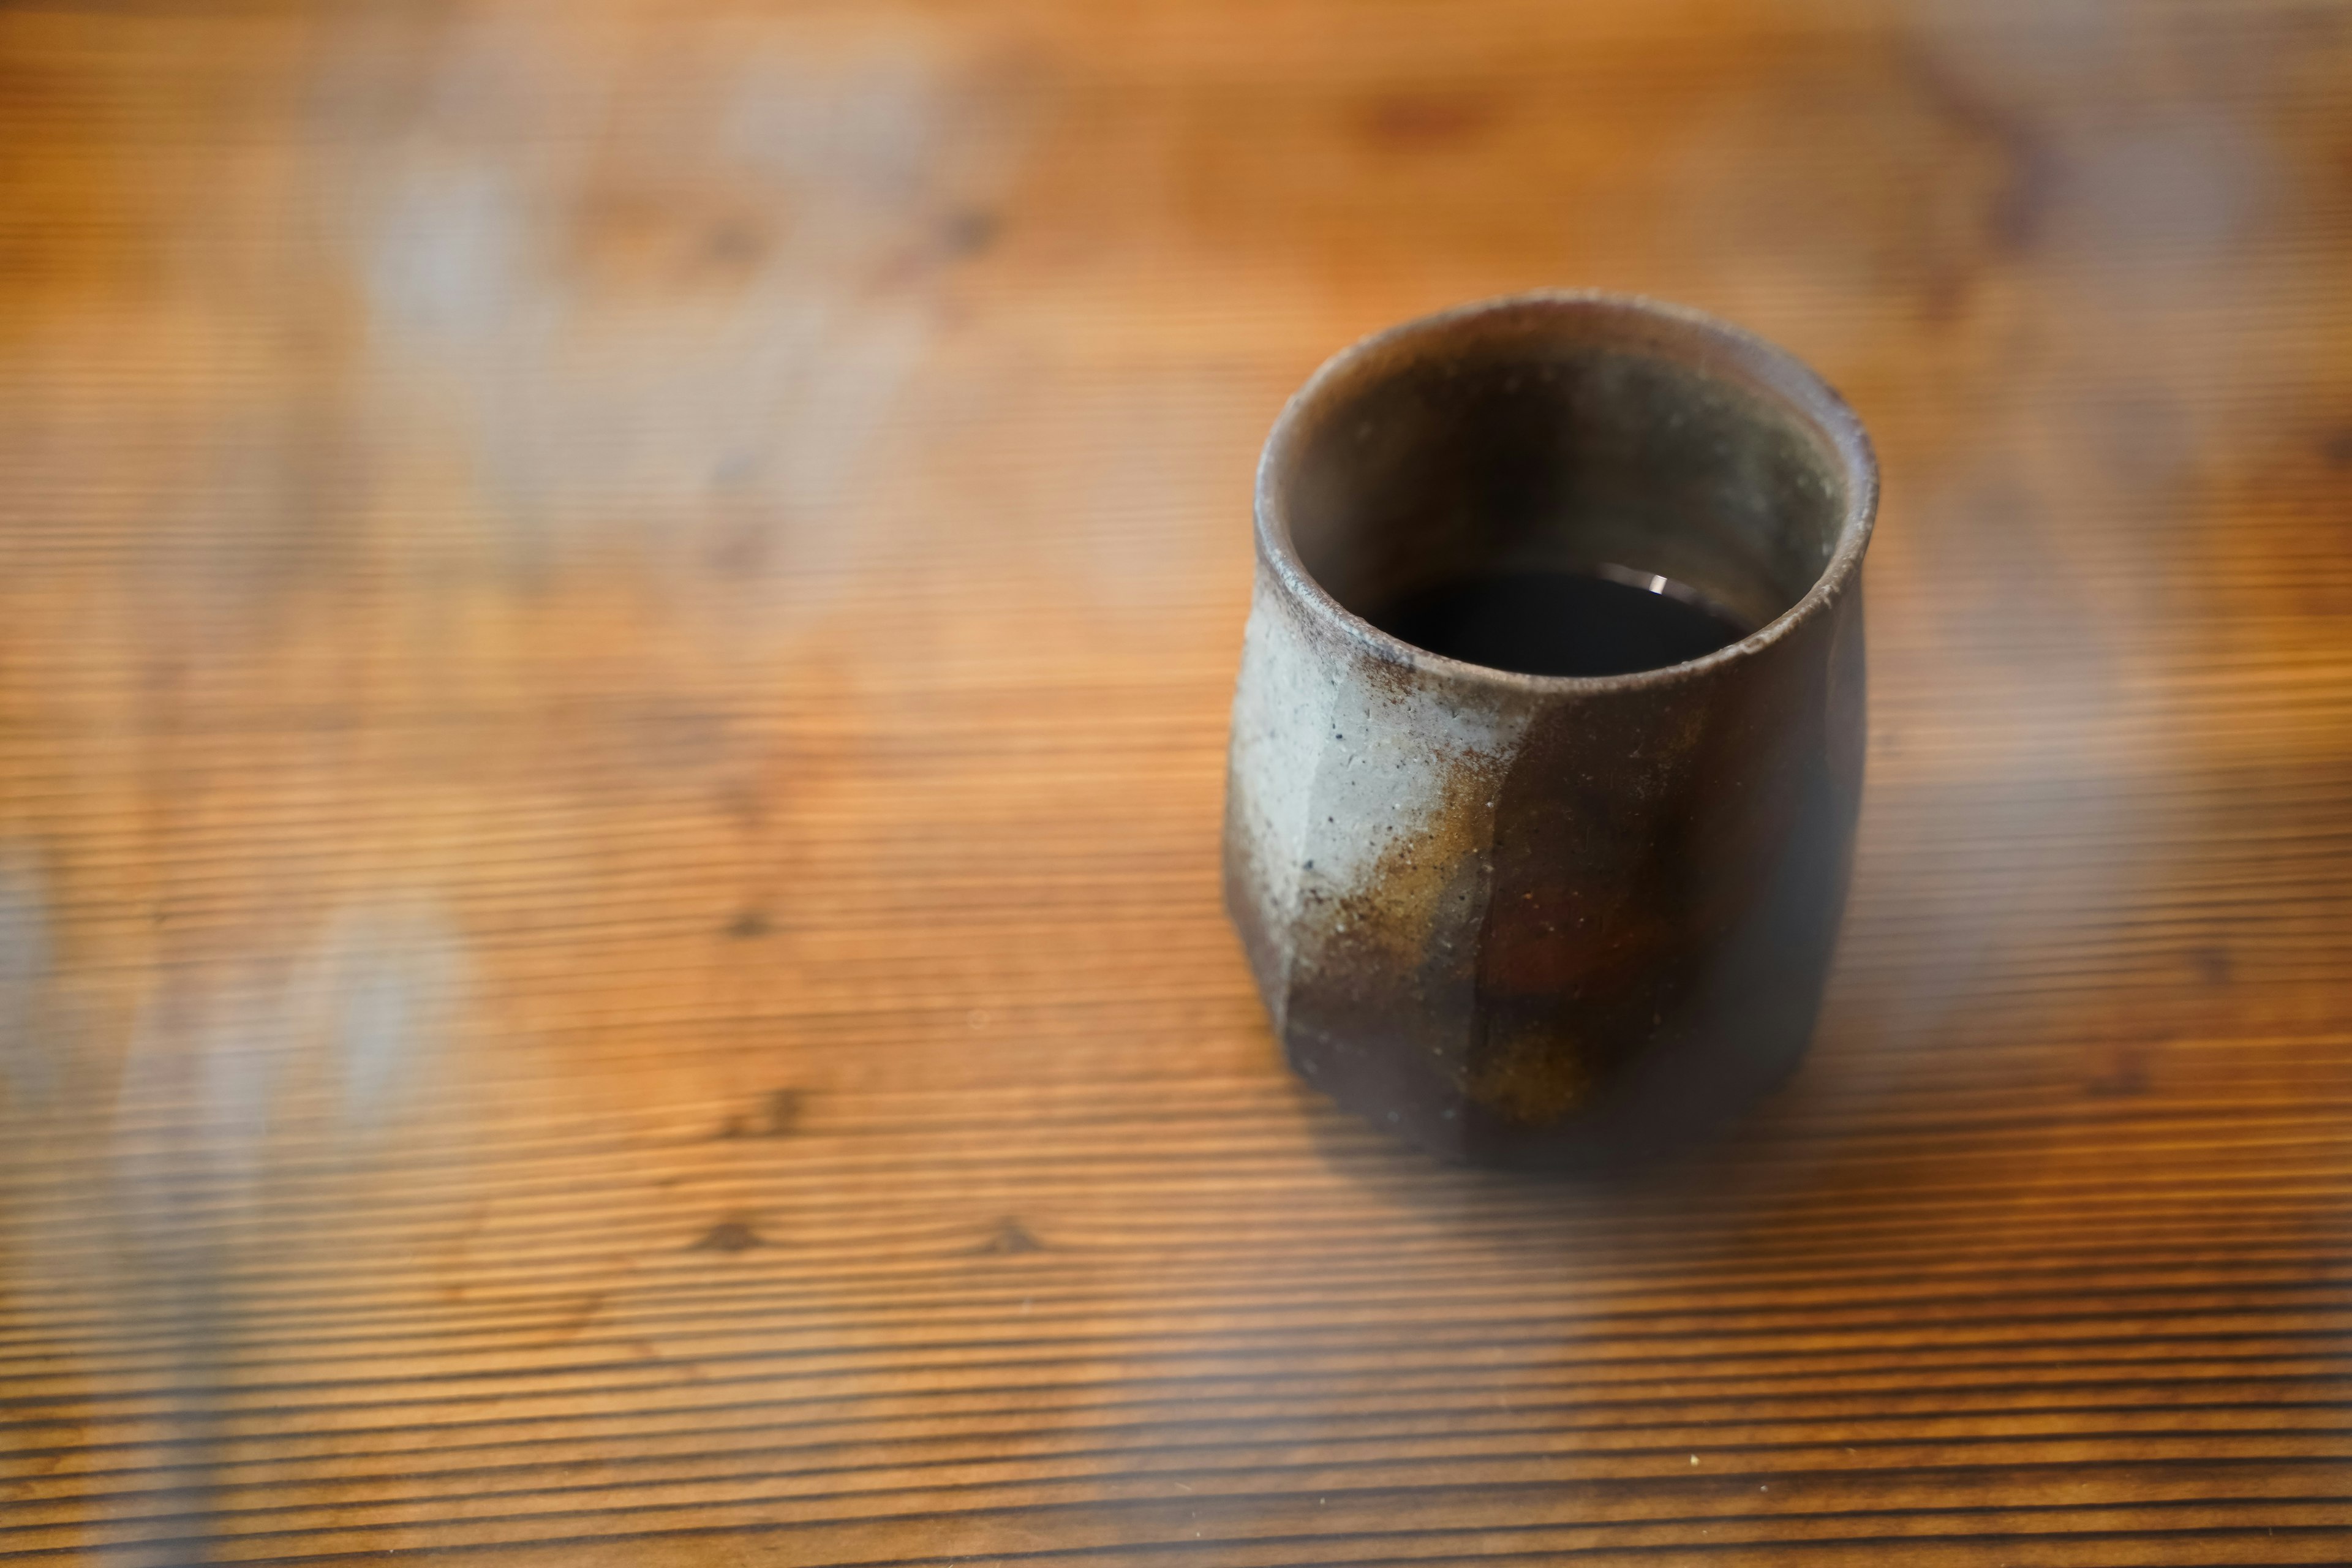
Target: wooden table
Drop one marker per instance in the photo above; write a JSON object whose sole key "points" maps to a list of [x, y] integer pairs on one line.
{"points": [[618, 629]]}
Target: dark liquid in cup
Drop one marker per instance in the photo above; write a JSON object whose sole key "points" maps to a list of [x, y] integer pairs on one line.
{"points": [[1562, 622]]}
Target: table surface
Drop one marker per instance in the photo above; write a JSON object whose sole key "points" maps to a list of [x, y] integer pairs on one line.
{"points": [[614, 644]]}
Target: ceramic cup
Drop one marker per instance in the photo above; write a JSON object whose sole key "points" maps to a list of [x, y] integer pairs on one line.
{"points": [[1536, 919]]}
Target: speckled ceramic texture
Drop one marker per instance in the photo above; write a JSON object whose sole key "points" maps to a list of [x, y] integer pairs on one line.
{"points": [[1549, 919]]}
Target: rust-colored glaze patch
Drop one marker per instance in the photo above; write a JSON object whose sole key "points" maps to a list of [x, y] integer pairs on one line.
{"points": [[1532, 1078], [1404, 910], [1380, 993]]}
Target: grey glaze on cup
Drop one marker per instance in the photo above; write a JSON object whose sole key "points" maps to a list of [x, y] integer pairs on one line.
{"points": [[1532, 919]]}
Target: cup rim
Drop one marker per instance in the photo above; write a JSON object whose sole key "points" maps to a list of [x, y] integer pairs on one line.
{"points": [[1701, 342]]}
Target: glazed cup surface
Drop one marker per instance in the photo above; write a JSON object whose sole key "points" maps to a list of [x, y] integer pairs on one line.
{"points": [[1549, 919]]}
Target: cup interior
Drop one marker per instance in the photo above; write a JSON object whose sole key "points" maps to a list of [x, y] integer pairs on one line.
{"points": [[1593, 438]]}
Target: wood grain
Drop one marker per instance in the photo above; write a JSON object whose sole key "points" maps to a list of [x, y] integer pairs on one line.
{"points": [[616, 624]]}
